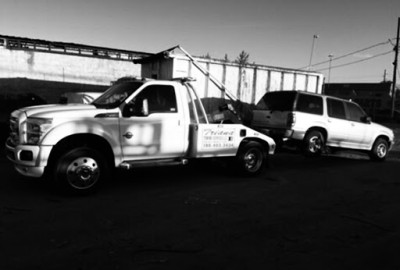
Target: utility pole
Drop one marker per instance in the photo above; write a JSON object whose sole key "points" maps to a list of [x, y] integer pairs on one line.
{"points": [[312, 51], [396, 49], [330, 65]]}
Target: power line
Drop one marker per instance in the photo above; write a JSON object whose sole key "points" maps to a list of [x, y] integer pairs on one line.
{"points": [[352, 53], [358, 61]]}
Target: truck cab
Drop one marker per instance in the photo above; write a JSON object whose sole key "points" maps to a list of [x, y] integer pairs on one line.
{"points": [[135, 123]]}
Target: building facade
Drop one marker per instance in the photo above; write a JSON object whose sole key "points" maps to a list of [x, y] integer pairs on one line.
{"points": [[375, 98]]}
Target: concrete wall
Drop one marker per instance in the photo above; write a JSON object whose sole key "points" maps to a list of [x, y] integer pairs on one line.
{"points": [[63, 68], [20, 92]]}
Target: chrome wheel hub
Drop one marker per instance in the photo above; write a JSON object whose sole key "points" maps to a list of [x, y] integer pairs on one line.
{"points": [[315, 144], [83, 172], [381, 150], [252, 161]]}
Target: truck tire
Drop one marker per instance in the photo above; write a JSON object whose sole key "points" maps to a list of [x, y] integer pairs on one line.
{"points": [[379, 150], [251, 159], [313, 144], [80, 170]]}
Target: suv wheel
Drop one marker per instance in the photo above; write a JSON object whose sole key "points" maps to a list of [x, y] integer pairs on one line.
{"points": [[314, 143], [379, 150]]}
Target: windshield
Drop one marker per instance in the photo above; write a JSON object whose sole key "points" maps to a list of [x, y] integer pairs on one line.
{"points": [[116, 94]]}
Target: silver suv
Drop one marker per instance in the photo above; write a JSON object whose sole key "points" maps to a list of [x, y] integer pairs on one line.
{"points": [[317, 121]]}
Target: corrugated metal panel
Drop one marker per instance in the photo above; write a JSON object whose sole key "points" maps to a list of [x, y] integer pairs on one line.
{"points": [[217, 72], [245, 91], [262, 85], [248, 83], [232, 78], [312, 82], [288, 81], [300, 82], [275, 83]]}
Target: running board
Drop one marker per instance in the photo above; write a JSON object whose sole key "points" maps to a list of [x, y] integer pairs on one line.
{"points": [[128, 165]]}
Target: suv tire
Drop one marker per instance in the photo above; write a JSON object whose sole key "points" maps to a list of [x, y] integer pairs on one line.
{"points": [[314, 143], [379, 150]]}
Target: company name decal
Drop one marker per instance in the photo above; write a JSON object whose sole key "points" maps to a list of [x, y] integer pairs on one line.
{"points": [[217, 138]]}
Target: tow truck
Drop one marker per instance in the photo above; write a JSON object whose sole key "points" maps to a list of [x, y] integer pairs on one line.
{"points": [[135, 123]]}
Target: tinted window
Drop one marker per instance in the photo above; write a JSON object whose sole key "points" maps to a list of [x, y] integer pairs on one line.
{"points": [[309, 104], [355, 112], [160, 98], [336, 108], [277, 101]]}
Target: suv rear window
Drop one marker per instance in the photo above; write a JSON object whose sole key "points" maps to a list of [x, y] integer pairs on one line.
{"points": [[277, 101], [309, 104]]}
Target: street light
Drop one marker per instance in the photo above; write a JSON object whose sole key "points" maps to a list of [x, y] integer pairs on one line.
{"points": [[330, 64], [312, 50]]}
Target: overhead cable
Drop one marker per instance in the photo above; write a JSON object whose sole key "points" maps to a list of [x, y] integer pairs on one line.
{"points": [[354, 62], [351, 53]]}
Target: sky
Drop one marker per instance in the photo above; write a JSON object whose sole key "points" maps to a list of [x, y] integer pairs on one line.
{"points": [[273, 32]]}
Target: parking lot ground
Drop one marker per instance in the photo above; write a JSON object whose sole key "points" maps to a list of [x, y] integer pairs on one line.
{"points": [[318, 213]]}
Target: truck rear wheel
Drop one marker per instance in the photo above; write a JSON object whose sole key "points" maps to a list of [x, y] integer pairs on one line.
{"points": [[80, 170], [251, 159]]}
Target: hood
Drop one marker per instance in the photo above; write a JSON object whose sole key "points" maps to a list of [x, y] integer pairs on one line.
{"points": [[384, 130], [59, 110]]}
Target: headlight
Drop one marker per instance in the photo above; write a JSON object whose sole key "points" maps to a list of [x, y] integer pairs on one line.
{"points": [[36, 128]]}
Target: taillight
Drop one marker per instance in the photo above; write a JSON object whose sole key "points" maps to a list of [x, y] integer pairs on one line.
{"points": [[291, 120]]}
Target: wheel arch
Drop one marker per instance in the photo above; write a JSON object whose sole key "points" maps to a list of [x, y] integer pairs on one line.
{"points": [[382, 136], [323, 131], [263, 143], [77, 140]]}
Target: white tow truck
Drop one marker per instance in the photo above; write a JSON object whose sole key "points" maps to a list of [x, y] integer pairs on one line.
{"points": [[135, 123]]}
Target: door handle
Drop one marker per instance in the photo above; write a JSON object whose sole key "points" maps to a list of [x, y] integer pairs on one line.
{"points": [[128, 135]]}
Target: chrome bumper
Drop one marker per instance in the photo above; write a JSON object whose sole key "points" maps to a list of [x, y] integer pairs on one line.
{"points": [[29, 160]]}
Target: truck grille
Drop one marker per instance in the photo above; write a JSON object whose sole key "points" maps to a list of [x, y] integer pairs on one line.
{"points": [[14, 132]]}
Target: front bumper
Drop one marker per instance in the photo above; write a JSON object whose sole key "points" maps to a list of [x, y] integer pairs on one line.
{"points": [[29, 160]]}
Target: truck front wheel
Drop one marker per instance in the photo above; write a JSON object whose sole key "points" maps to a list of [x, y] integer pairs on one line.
{"points": [[251, 159], [80, 170]]}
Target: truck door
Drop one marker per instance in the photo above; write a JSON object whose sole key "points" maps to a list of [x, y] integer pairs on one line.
{"points": [[158, 133]]}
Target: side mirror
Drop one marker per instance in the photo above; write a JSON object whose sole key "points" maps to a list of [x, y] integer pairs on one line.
{"points": [[366, 119], [133, 109], [128, 110]]}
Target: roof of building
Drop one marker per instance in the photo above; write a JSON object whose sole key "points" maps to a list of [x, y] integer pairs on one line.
{"points": [[23, 43]]}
